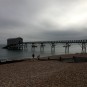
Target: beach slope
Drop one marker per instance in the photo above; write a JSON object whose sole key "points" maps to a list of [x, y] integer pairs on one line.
{"points": [[37, 73]]}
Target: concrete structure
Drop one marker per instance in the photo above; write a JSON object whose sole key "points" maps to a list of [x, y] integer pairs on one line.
{"points": [[14, 43], [66, 44], [17, 43]]}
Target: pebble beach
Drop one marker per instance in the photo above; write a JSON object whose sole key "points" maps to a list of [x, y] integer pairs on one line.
{"points": [[44, 73]]}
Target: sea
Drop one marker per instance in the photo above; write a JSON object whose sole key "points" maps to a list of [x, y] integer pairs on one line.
{"points": [[26, 53]]}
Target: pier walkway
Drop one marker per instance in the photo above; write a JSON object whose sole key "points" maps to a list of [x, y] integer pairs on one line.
{"points": [[66, 44]]}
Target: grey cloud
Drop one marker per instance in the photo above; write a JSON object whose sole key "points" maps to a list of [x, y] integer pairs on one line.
{"points": [[20, 8], [5, 24], [55, 35], [63, 35], [39, 19]]}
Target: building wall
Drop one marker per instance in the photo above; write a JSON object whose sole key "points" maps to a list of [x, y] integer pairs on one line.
{"points": [[14, 41]]}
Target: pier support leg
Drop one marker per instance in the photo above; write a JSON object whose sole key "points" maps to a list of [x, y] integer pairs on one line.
{"points": [[20, 46], [25, 46], [52, 48], [67, 45], [33, 48], [83, 47], [42, 47]]}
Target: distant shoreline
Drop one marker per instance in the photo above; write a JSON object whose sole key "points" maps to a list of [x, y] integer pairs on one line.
{"points": [[53, 57]]}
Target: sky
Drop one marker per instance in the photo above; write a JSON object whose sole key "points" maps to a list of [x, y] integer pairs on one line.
{"points": [[40, 20]]}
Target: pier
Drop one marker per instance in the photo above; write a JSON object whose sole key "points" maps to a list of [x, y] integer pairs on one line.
{"points": [[66, 44], [18, 44]]}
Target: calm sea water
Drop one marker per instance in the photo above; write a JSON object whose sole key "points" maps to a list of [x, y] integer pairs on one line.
{"points": [[27, 52]]}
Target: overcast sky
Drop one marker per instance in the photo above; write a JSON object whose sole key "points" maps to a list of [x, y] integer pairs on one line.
{"points": [[43, 19]]}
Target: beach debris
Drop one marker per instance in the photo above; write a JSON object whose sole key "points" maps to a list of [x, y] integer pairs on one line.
{"points": [[60, 58], [74, 58], [3, 60], [38, 57], [48, 58]]}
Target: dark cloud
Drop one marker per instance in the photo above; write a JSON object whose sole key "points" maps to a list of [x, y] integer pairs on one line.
{"points": [[62, 35], [43, 19], [56, 35]]}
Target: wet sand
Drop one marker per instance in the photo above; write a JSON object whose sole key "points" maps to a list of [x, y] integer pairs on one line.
{"points": [[48, 73]]}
